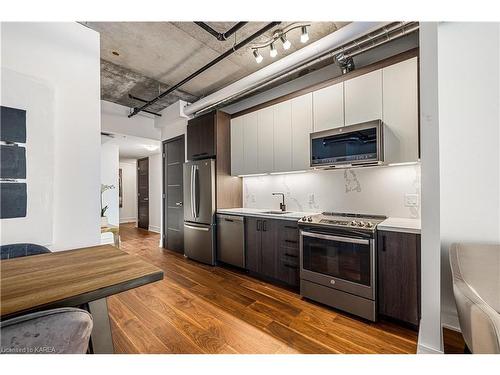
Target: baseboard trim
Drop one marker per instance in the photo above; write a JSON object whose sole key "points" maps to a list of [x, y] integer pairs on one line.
{"points": [[422, 349], [153, 228], [126, 220]]}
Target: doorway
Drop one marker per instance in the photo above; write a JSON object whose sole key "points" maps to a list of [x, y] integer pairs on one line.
{"points": [[173, 210], [143, 193]]}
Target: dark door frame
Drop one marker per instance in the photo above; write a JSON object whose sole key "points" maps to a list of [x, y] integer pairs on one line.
{"points": [[164, 187], [137, 182]]}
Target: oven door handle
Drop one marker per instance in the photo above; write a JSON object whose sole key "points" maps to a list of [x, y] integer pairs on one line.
{"points": [[335, 238]]}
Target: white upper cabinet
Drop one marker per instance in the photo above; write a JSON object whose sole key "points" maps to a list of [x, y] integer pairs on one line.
{"points": [[400, 88], [328, 104], [282, 137], [265, 142], [363, 98], [302, 126], [250, 139], [237, 161], [276, 138]]}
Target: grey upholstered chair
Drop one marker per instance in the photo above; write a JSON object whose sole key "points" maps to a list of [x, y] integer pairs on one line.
{"points": [[21, 250], [64, 330]]}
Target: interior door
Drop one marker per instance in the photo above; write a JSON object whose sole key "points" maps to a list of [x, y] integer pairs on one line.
{"points": [[143, 193], [173, 211]]}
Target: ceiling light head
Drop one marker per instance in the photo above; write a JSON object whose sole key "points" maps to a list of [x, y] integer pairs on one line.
{"points": [[273, 52], [258, 56], [286, 42], [304, 37]]}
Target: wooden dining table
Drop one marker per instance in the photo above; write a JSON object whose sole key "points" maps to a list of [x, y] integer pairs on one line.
{"points": [[73, 278]]}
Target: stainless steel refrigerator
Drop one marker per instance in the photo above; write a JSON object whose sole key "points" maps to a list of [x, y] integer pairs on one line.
{"points": [[199, 210]]}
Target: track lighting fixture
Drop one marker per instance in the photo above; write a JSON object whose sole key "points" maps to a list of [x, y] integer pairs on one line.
{"points": [[258, 56], [281, 35], [273, 52], [304, 37], [286, 42]]}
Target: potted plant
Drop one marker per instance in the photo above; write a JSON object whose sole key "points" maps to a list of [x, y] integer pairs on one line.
{"points": [[104, 218]]}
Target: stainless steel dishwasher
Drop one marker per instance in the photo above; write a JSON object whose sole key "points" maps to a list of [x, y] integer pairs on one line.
{"points": [[231, 240]]}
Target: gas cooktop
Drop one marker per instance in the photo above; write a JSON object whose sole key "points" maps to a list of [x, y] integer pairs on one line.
{"points": [[344, 220]]}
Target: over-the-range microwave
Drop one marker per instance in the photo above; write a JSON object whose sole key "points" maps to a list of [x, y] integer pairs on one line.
{"points": [[348, 146]]}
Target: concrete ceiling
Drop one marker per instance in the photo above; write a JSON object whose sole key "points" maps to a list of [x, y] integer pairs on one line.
{"points": [[153, 56]]}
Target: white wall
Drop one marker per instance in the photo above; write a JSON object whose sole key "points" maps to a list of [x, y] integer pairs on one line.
{"points": [[128, 211], [114, 119], [469, 134], [65, 55], [430, 336], [379, 190], [109, 176], [155, 192]]}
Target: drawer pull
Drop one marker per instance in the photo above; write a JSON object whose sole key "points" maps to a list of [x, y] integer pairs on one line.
{"points": [[291, 255], [290, 241], [290, 227], [290, 266]]}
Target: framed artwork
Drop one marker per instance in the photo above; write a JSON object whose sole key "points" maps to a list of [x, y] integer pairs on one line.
{"points": [[13, 189], [120, 188]]}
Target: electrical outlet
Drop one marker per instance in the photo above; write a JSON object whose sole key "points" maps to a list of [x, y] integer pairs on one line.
{"points": [[411, 200], [311, 197]]}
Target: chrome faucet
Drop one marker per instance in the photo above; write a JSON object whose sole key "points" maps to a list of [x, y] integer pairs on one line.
{"points": [[282, 205]]}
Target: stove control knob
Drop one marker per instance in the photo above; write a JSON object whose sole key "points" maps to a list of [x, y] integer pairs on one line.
{"points": [[369, 224], [309, 219], [354, 223], [304, 218], [361, 224]]}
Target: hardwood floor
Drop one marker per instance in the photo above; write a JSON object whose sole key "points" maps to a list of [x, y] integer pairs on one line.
{"points": [[203, 309]]}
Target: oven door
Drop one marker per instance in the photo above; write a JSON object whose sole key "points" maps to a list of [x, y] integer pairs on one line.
{"points": [[338, 261]]}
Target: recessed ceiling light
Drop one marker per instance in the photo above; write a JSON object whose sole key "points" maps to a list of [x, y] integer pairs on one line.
{"points": [[115, 53]]}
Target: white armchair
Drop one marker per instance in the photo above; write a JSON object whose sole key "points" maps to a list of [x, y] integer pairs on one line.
{"points": [[476, 286]]}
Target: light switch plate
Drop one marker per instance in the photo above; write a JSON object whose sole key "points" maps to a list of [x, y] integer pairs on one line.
{"points": [[411, 200]]}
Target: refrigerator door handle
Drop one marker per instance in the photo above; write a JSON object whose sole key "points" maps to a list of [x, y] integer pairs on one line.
{"points": [[196, 192], [192, 192], [203, 229]]}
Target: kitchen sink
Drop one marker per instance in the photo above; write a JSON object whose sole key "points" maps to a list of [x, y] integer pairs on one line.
{"points": [[276, 212]]}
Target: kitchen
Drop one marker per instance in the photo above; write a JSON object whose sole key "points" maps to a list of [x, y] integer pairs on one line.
{"points": [[324, 191]]}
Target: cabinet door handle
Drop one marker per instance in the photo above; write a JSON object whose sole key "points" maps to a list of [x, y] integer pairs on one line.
{"points": [[264, 225], [383, 243], [259, 224]]}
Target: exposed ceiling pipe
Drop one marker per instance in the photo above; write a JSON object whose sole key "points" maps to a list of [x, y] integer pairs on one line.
{"points": [[340, 37], [205, 67], [221, 36], [143, 101], [391, 32]]}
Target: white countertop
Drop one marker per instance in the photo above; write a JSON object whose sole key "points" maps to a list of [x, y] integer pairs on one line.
{"points": [[397, 224], [259, 212]]}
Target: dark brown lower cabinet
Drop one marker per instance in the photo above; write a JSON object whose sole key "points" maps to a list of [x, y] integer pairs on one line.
{"points": [[398, 270], [272, 249]]}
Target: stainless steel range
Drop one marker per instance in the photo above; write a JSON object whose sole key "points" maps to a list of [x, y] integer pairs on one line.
{"points": [[338, 261]]}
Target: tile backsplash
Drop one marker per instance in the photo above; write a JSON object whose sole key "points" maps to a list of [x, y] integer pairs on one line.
{"points": [[374, 190]]}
